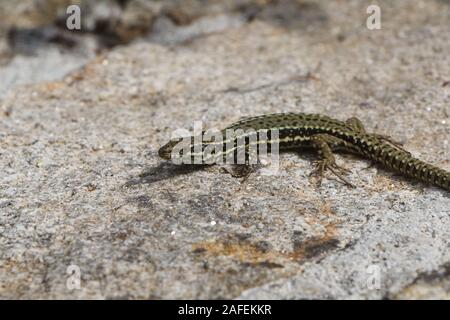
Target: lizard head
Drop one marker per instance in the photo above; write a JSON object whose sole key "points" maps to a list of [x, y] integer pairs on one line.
{"points": [[165, 152]]}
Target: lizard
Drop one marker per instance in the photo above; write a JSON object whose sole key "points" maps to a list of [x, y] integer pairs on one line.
{"points": [[325, 135]]}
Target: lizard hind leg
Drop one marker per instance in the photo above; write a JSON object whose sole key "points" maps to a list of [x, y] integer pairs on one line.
{"points": [[355, 124], [322, 143], [388, 139], [358, 126]]}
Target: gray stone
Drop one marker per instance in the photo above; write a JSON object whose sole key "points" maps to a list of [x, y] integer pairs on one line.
{"points": [[82, 187]]}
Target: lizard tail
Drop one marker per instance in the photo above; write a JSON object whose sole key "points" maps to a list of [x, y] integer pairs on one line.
{"points": [[403, 162]]}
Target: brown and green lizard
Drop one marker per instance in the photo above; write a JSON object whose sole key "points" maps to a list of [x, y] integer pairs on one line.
{"points": [[326, 135]]}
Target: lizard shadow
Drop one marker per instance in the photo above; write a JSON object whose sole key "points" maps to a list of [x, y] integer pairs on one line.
{"points": [[168, 170], [163, 171]]}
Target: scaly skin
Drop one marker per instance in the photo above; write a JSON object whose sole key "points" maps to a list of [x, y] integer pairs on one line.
{"points": [[297, 130]]}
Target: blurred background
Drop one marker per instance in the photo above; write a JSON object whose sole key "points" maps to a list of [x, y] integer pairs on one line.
{"points": [[36, 45]]}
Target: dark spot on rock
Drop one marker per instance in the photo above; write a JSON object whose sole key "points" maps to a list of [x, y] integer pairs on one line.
{"points": [[179, 17], [121, 235], [5, 204], [90, 187], [142, 201], [199, 250], [263, 246], [205, 205], [314, 247], [231, 271], [270, 265], [435, 275], [340, 37], [242, 236], [298, 236]]}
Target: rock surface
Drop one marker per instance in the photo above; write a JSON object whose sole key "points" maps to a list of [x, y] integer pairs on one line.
{"points": [[82, 187]]}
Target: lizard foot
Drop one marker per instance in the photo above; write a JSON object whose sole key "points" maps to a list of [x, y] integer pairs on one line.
{"points": [[240, 171], [324, 165]]}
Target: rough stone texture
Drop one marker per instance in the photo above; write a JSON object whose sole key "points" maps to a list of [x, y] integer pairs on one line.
{"points": [[81, 183]]}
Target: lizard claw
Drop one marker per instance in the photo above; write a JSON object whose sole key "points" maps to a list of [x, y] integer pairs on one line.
{"points": [[323, 165]]}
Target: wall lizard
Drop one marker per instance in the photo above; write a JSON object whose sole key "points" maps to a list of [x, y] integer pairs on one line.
{"points": [[324, 134]]}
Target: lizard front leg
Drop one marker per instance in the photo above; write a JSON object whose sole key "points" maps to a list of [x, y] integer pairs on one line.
{"points": [[239, 169], [324, 143]]}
